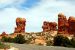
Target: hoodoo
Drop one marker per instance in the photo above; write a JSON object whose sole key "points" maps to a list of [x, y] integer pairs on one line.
{"points": [[20, 25]]}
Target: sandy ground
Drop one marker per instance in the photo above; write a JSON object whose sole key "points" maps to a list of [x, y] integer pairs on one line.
{"points": [[36, 47], [13, 48]]}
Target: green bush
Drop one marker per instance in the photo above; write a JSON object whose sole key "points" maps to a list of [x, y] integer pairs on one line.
{"points": [[19, 39], [7, 39], [59, 40], [10, 39], [66, 42], [73, 42], [4, 39]]}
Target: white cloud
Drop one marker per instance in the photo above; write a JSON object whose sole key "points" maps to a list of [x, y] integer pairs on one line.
{"points": [[10, 1], [46, 10], [6, 1]]}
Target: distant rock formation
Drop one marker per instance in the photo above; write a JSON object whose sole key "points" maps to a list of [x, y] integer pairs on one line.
{"points": [[48, 26], [71, 22], [62, 23], [66, 26], [20, 25], [4, 34]]}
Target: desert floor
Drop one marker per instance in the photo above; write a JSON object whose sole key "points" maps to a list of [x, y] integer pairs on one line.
{"points": [[36, 47]]}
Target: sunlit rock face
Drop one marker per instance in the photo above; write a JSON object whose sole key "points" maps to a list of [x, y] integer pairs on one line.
{"points": [[66, 25], [48, 26], [20, 25], [62, 23], [71, 22]]}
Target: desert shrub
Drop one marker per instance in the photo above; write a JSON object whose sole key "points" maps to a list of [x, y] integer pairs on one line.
{"points": [[7, 39], [66, 42], [40, 44], [49, 43], [73, 42], [59, 40], [19, 39], [10, 39], [4, 39]]}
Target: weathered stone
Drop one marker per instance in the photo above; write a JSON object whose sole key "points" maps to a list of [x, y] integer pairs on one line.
{"points": [[66, 26], [62, 23], [20, 25], [4, 34], [71, 22], [48, 26]]}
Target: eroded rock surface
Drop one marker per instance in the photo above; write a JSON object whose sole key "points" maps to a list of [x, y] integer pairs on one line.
{"points": [[48, 26], [20, 25]]}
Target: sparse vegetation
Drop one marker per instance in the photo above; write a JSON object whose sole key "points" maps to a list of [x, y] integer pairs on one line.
{"points": [[4, 39], [73, 42], [7, 39], [59, 40], [19, 39], [2, 46], [49, 43]]}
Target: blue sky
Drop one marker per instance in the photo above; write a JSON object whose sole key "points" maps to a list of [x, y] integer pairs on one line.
{"points": [[35, 12]]}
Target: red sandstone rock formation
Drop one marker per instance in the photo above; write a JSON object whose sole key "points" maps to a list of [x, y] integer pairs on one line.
{"points": [[62, 23], [48, 26], [71, 22], [20, 25], [66, 26], [4, 34]]}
